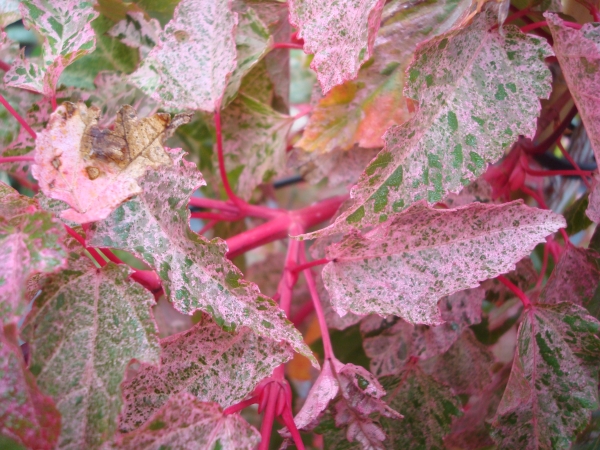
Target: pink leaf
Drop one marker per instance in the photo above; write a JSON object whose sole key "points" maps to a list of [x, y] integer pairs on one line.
{"points": [[578, 52], [29, 245], [26, 415], [95, 170], [191, 64], [404, 266], [341, 35], [212, 364], [391, 343], [187, 423], [68, 35], [593, 209]]}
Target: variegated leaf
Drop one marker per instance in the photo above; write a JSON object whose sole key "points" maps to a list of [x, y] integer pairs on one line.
{"points": [[137, 31], [212, 364], [195, 272], [553, 386], [68, 35], [84, 329], [340, 34], [477, 90], [187, 423], [404, 266]]}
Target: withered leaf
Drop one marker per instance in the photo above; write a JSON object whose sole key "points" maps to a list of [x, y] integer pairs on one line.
{"points": [[93, 169]]}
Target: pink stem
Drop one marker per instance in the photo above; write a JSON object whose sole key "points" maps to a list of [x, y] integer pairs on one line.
{"points": [[214, 216], [303, 313], [262, 212], [308, 265], [92, 251], [287, 45], [543, 23], [289, 279], [312, 287], [552, 173], [17, 116], [9, 159], [4, 66], [268, 417], [209, 203], [239, 406], [517, 15], [569, 158], [211, 224], [53, 101], [219, 137], [288, 420], [277, 228], [515, 290]]}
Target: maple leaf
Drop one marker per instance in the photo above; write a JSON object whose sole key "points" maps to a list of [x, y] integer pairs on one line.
{"points": [[391, 343], [68, 35], [195, 272], [428, 408], [193, 65], [84, 329], [359, 112], [28, 416], [340, 35], [184, 422], [575, 278], [578, 52], [553, 386], [95, 170], [477, 90], [212, 364], [404, 266], [254, 142], [29, 244]]}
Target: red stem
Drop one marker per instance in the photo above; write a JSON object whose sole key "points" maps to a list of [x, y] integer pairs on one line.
{"points": [[552, 173], [308, 265], [515, 290], [555, 136], [92, 251], [17, 116], [219, 138], [214, 216], [288, 420], [277, 228], [517, 15], [312, 287], [208, 226], [4, 66], [303, 313], [287, 45], [268, 417], [239, 406], [8, 159], [209, 203], [543, 23], [573, 163]]}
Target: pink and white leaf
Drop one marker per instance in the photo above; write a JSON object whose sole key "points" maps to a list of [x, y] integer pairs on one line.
{"points": [[341, 35], [205, 361], [405, 265], [137, 31], [194, 58], [185, 423]]}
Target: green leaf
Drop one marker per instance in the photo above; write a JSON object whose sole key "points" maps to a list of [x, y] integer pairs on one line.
{"points": [[254, 142], [428, 408], [84, 329], [68, 35], [110, 54], [29, 244], [195, 272], [577, 220], [212, 364], [477, 90], [186, 423], [28, 416], [360, 111], [553, 386]]}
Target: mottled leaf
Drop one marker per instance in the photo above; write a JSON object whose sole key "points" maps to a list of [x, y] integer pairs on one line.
{"points": [[212, 364], [578, 52], [136, 31], [428, 408], [341, 35], [68, 35], [576, 217], [575, 279], [391, 343], [29, 244], [254, 143], [404, 266], [593, 207], [195, 272], [26, 415], [191, 64], [553, 386], [477, 191], [84, 329], [186, 423], [94, 170], [477, 90], [359, 112], [9, 12], [524, 277], [465, 367], [110, 54]]}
